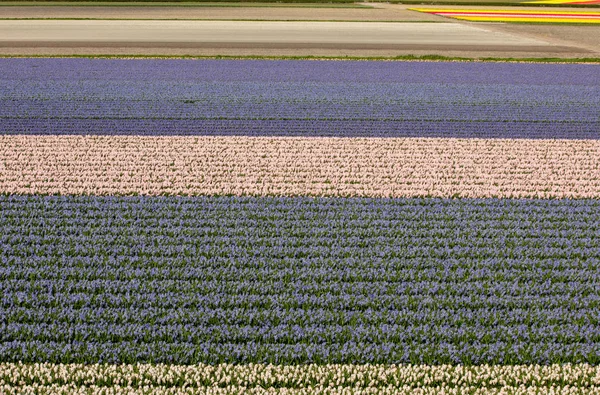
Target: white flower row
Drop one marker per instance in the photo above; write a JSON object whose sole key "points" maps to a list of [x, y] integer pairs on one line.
{"points": [[230, 390], [302, 379], [298, 166]]}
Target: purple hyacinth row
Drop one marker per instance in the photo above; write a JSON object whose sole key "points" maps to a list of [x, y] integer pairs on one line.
{"points": [[297, 128], [296, 280], [301, 98]]}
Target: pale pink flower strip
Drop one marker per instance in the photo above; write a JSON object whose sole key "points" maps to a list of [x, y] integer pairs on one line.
{"points": [[375, 167]]}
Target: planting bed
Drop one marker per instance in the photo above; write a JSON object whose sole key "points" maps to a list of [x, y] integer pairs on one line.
{"points": [[299, 98], [287, 281], [185, 226]]}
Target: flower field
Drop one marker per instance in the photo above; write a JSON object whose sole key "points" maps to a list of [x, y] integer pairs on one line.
{"points": [[325, 379], [282, 98], [375, 227], [280, 280], [520, 16], [566, 2], [285, 166]]}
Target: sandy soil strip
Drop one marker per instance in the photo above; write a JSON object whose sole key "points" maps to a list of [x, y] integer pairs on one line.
{"points": [[584, 37], [253, 13], [374, 33], [104, 165], [210, 38], [376, 12], [315, 51], [567, 41], [231, 47]]}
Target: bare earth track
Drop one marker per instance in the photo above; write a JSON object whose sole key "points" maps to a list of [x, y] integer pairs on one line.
{"points": [[217, 13], [159, 32]]}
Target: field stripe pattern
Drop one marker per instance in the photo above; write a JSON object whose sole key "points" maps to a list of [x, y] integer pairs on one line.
{"points": [[485, 15], [304, 379], [309, 99], [185, 226], [259, 166], [241, 280], [593, 2]]}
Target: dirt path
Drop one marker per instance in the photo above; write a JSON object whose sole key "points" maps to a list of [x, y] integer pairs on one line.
{"points": [[248, 13], [584, 37], [447, 38]]}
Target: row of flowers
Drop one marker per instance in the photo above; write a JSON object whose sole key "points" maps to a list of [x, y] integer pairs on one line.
{"points": [[240, 390], [265, 98], [414, 128], [296, 280], [334, 377], [103, 165], [454, 107]]}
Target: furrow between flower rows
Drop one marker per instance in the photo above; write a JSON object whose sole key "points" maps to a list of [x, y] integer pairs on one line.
{"points": [[369, 167]]}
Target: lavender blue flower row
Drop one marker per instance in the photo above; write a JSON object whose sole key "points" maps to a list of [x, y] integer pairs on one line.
{"points": [[296, 280], [301, 98], [317, 128], [318, 72]]}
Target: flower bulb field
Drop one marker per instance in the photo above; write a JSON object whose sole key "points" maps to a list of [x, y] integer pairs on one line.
{"points": [[299, 227], [295, 98]]}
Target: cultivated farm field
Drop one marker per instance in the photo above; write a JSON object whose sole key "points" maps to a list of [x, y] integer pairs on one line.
{"points": [[286, 226]]}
